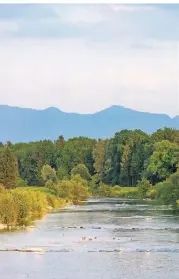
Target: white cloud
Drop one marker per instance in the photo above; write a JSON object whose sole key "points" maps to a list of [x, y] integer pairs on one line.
{"points": [[7, 26], [79, 14], [76, 76], [132, 8]]}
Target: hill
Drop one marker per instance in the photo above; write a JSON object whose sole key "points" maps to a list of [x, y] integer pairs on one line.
{"points": [[23, 124]]}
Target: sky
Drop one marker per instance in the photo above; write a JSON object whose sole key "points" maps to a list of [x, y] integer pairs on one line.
{"points": [[83, 58]]}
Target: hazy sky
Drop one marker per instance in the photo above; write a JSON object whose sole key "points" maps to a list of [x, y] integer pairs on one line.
{"points": [[83, 58]]}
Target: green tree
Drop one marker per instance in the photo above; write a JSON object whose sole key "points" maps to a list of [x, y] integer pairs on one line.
{"points": [[8, 209], [62, 173], [169, 134], [98, 157], [23, 206], [125, 165], [80, 188], [82, 171], [76, 151], [164, 160], [104, 190], [32, 157], [8, 168], [60, 142], [64, 189], [168, 191], [48, 173]]}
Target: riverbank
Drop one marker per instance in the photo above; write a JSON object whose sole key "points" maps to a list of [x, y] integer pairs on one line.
{"points": [[20, 206]]}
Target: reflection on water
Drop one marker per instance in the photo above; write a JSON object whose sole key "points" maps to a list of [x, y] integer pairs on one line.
{"points": [[104, 238]]}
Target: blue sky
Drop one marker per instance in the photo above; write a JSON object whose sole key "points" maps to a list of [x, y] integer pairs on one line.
{"points": [[84, 58]]}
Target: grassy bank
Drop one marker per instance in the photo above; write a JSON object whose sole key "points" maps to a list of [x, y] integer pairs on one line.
{"points": [[117, 192]]}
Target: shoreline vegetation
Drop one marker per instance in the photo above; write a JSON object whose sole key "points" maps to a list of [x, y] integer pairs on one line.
{"points": [[38, 177], [21, 206]]}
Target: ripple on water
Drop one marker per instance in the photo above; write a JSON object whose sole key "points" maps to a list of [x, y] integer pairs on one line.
{"points": [[114, 229]]}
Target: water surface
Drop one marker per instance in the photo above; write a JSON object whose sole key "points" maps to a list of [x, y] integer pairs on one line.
{"points": [[104, 238]]}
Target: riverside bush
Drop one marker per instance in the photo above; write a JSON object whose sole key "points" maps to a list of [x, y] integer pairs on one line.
{"points": [[17, 206], [124, 192], [168, 191]]}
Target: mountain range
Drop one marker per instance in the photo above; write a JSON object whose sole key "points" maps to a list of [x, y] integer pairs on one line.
{"points": [[24, 124]]}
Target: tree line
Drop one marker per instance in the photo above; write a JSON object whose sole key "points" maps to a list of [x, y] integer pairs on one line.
{"points": [[123, 160]]}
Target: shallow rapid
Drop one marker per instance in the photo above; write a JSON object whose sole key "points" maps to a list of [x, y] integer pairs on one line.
{"points": [[102, 238]]}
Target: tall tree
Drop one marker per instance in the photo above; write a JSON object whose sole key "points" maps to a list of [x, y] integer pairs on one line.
{"points": [[98, 157], [125, 165], [8, 168], [60, 142]]}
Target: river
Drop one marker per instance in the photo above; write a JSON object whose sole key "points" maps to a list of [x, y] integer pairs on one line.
{"points": [[103, 238]]}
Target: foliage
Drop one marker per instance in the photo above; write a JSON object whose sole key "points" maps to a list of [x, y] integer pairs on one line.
{"points": [[143, 186], [8, 209], [93, 186], [74, 189], [168, 191], [98, 157], [104, 190], [62, 173], [124, 192], [2, 189], [82, 170], [164, 160], [64, 189], [48, 173], [80, 188], [121, 160], [8, 168], [20, 182], [17, 206]]}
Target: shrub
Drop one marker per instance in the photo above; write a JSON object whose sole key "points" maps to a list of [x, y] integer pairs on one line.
{"points": [[2, 188], [144, 186], [8, 209]]}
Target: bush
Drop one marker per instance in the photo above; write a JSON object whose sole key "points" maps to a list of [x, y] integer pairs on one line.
{"points": [[23, 206], [20, 182], [124, 192], [8, 209], [75, 189], [151, 194], [2, 188], [17, 206], [53, 201], [144, 187], [168, 191]]}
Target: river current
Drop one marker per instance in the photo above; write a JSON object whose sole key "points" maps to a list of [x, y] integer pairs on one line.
{"points": [[102, 238]]}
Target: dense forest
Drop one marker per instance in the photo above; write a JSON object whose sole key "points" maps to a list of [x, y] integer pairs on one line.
{"points": [[75, 167], [122, 160]]}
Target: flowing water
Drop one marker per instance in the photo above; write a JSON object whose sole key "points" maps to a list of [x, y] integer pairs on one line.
{"points": [[103, 238]]}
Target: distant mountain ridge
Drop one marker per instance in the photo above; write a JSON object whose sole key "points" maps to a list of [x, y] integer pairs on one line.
{"points": [[26, 124]]}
